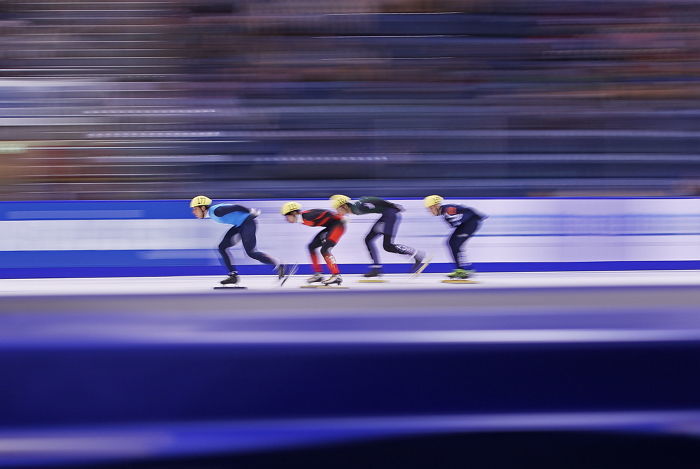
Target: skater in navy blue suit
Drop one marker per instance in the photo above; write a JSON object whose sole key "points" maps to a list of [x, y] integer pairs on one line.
{"points": [[465, 221]]}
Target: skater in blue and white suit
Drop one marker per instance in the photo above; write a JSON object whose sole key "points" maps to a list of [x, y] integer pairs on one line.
{"points": [[243, 224]]}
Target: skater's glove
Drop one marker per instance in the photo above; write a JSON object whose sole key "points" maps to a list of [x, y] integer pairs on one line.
{"points": [[254, 212]]}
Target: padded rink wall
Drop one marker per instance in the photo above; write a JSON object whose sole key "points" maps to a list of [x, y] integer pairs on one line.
{"points": [[159, 238]]}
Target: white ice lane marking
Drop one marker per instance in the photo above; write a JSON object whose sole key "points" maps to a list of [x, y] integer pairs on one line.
{"points": [[127, 336], [133, 440], [440, 337]]}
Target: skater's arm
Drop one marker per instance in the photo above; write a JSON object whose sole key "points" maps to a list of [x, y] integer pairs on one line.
{"points": [[357, 208], [318, 217], [455, 214], [226, 209], [372, 205]]}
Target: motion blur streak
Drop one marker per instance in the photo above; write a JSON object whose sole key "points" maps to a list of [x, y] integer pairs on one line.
{"points": [[133, 99], [99, 443]]}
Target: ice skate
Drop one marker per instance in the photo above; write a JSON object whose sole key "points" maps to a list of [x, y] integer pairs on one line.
{"points": [[284, 271], [374, 272], [231, 280], [315, 278], [374, 275], [334, 279], [460, 274], [281, 271], [230, 283], [420, 262]]}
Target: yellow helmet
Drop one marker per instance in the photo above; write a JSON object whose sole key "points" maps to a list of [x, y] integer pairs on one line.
{"points": [[433, 200], [338, 200], [290, 207], [200, 200]]}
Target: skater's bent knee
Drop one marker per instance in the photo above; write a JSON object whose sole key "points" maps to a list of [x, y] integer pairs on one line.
{"points": [[389, 247]]}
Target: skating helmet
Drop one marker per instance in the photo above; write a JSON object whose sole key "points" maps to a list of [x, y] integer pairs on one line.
{"points": [[338, 200], [290, 207], [200, 200], [433, 200]]}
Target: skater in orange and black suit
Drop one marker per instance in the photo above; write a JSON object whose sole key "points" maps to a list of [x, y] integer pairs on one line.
{"points": [[326, 239]]}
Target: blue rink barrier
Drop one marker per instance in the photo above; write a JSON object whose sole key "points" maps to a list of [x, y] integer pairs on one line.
{"points": [[129, 270], [161, 238]]}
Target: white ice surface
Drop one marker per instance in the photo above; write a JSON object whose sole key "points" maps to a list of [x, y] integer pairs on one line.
{"points": [[202, 284]]}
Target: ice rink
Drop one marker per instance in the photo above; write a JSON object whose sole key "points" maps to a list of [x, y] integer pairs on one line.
{"points": [[149, 368], [268, 284], [501, 308]]}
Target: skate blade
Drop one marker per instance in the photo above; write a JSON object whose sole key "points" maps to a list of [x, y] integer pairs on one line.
{"points": [[423, 266], [237, 287], [292, 271], [325, 287], [459, 281], [368, 280]]}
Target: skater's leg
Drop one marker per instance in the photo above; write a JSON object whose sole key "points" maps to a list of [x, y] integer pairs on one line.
{"points": [[392, 219], [369, 242], [460, 236], [228, 241], [247, 230], [328, 257], [457, 238], [316, 243], [334, 235]]}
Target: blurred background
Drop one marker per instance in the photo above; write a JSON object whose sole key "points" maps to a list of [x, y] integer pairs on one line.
{"points": [[128, 99], [578, 348]]}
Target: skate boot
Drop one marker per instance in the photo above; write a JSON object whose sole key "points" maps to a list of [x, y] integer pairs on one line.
{"points": [[374, 271], [334, 279], [418, 259], [284, 271], [281, 271], [460, 274], [231, 280], [315, 278]]}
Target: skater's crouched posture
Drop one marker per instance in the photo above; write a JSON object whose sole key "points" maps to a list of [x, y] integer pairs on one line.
{"points": [[333, 229], [465, 221], [386, 225], [243, 226]]}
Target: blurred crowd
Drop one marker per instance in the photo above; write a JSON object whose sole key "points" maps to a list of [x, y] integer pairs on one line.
{"points": [[273, 98]]}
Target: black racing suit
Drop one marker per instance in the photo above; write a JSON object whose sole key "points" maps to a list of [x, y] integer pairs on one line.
{"points": [[466, 222], [386, 225]]}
